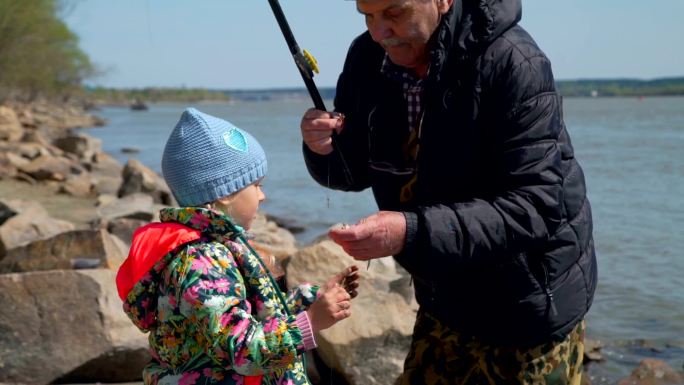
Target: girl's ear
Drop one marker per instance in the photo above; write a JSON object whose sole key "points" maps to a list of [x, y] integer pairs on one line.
{"points": [[225, 200]]}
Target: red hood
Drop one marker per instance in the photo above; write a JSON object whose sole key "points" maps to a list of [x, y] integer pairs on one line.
{"points": [[150, 244]]}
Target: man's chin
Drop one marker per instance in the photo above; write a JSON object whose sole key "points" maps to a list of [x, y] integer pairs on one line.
{"points": [[400, 60]]}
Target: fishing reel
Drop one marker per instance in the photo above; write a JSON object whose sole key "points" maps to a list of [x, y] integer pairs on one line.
{"points": [[306, 63]]}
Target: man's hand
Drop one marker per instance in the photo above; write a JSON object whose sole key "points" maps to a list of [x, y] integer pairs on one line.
{"points": [[379, 235], [317, 127]]}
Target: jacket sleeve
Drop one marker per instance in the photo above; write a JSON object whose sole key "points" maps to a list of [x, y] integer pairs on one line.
{"points": [[214, 292], [352, 142], [301, 297], [527, 206]]}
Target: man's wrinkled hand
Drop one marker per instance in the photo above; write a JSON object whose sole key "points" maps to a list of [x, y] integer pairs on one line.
{"points": [[379, 235], [317, 127]]}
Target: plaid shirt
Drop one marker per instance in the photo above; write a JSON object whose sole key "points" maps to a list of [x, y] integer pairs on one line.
{"points": [[412, 86]]}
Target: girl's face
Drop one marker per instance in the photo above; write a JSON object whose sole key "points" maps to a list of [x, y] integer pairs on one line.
{"points": [[243, 205]]}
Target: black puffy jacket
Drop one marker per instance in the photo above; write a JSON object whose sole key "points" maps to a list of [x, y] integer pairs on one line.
{"points": [[499, 238]]}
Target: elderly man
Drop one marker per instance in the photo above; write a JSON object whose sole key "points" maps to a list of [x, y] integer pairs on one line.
{"points": [[448, 110]]}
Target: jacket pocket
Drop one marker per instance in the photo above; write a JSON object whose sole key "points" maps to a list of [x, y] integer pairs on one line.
{"points": [[517, 279]]}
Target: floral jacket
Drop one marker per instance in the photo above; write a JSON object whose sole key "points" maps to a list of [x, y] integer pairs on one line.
{"points": [[212, 310]]}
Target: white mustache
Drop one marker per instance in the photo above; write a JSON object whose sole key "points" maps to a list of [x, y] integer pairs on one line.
{"points": [[392, 41]]}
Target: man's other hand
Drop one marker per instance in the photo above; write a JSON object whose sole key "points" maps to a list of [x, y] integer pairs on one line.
{"points": [[379, 235], [317, 127]]}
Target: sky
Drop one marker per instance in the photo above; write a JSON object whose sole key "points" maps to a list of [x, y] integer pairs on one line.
{"points": [[236, 44]]}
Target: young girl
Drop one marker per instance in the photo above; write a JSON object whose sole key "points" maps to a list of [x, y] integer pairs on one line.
{"points": [[214, 313]]}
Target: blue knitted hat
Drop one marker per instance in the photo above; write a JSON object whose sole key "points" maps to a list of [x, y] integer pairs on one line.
{"points": [[207, 158]]}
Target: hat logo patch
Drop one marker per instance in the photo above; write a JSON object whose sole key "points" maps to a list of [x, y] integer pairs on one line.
{"points": [[235, 140]]}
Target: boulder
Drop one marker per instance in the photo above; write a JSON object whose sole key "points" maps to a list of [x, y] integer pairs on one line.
{"points": [[67, 325], [105, 199], [135, 206], [10, 127], [653, 372], [288, 224], [278, 241], [34, 136], [105, 164], [48, 168], [8, 209], [7, 170], [106, 185], [592, 350], [123, 228], [31, 151], [83, 146], [371, 345], [77, 185], [65, 251], [30, 222], [139, 179], [25, 117], [55, 120], [17, 161], [105, 171]]}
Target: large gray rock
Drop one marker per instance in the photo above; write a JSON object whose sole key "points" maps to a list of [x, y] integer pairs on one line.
{"points": [[106, 184], [10, 128], [653, 372], [70, 250], [371, 345], [134, 206], [7, 167], [83, 146], [123, 228], [56, 120], [8, 209], [106, 165], [278, 241], [49, 168], [67, 325], [17, 161], [77, 185], [35, 150], [139, 179], [105, 172], [25, 222]]}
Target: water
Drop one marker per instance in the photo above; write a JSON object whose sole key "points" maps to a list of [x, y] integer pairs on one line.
{"points": [[632, 152], [290, 191]]}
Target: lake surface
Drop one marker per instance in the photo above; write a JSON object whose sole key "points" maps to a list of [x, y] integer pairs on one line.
{"points": [[632, 152]]}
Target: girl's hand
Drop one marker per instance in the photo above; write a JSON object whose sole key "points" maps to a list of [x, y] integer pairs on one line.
{"points": [[332, 306]]}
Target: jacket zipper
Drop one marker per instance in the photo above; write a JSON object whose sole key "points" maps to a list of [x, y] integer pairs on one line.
{"points": [[549, 293]]}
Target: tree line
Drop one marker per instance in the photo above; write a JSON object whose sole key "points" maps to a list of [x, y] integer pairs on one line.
{"points": [[622, 87], [39, 55], [102, 95]]}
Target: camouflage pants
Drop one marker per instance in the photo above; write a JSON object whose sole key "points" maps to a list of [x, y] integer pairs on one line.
{"points": [[439, 356]]}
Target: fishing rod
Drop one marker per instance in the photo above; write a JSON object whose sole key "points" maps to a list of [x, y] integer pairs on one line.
{"points": [[307, 65]]}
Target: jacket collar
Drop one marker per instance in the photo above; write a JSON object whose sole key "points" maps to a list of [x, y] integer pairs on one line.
{"points": [[210, 223], [470, 25]]}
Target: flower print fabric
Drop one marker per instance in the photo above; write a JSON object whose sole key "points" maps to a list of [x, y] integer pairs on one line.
{"points": [[214, 314]]}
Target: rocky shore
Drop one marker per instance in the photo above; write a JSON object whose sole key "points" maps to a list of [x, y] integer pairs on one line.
{"points": [[67, 213]]}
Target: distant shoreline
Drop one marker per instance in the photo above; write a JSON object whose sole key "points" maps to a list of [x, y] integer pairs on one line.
{"points": [[567, 88]]}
